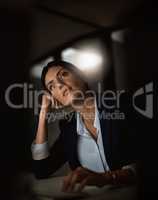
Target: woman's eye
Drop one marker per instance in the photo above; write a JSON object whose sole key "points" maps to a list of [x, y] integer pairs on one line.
{"points": [[50, 88], [65, 73]]}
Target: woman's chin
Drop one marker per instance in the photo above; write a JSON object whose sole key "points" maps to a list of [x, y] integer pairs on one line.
{"points": [[67, 101]]}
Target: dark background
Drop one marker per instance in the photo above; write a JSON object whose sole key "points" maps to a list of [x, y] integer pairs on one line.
{"points": [[32, 30]]}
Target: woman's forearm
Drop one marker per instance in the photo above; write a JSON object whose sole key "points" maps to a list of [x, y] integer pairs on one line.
{"points": [[42, 130]]}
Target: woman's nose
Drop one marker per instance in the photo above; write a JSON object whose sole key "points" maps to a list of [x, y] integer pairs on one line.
{"points": [[60, 86]]}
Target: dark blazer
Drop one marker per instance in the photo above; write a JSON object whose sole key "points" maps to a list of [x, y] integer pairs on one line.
{"points": [[117, 139]]}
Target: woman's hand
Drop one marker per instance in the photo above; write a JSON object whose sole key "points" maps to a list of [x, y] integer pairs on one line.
{"points": [[49, 102], [45, 105], [85, 177], [46, 102]]}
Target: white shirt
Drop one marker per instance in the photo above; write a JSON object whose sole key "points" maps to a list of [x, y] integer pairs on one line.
{"points": [[90, 152]]}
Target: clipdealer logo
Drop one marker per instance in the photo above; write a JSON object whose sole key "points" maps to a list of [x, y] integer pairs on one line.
{"points": [[30, 99], [109, 99], [147, 92]]}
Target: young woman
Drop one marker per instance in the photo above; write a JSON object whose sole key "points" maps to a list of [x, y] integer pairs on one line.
{"points": [[90, 143]]}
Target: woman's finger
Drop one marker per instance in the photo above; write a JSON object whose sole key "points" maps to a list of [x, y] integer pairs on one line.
{"points": [[83, 184], [73, 182], [66, 182]]}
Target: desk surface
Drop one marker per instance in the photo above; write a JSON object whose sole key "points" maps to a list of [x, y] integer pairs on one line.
{"points": [[51, 189]]}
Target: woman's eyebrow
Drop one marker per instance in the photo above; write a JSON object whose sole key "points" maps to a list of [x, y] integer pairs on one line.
{"points": [[50, 82]]}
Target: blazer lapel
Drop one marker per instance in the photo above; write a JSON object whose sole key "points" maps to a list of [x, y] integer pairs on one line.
{"points": [[106, 131]]}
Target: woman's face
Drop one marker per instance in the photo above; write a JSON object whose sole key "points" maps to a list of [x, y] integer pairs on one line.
{"points": [[63, 84]]}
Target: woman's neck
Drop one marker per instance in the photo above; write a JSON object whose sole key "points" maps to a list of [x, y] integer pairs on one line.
{"points": [[87, 108]]}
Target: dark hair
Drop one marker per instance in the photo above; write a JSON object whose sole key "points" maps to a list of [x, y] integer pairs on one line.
{"points": [[63, 64]]}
